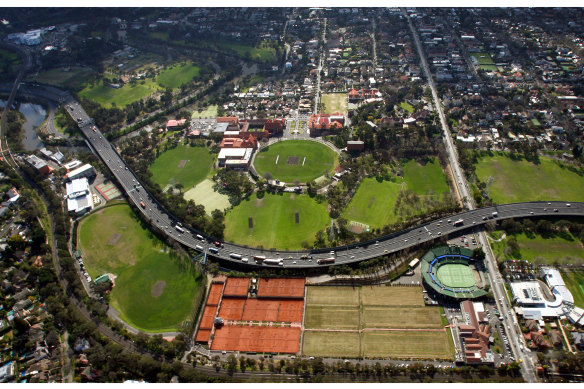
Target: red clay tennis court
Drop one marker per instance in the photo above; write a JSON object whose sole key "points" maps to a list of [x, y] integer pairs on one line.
{"points": [[236, 287], [231, 309], [261, 310], [281, 287], [203, 336], [258, 339], [208, 317], [290, 311], [215, 294]]}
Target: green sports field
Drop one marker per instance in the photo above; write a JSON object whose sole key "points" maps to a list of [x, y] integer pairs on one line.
{"points": [[485, 61], [574, 281], [510, 181], [334, 316], [542, 250], [296, 160], [406, 107], [70, 77], [334, 103], [425, 179], [209, 112], [204, 194], [273, 219], [185, 164], [151, 291], [455, 275], [373, 203], [175, 76], [107, 96]]}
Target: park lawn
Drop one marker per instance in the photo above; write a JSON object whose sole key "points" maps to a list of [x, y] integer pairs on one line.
{"points": [[177, 75], [574, 281], [331, 344], [334, 103], [406, 107], [107, 96], [209, 112], [204, 194], [152, 292], [405, 344], [320, 159], [274, 224], [425, 179], [75, 77], [373, 203], [517, 181], [483, 58], [261, 53], [166, 171], [543, 250]]}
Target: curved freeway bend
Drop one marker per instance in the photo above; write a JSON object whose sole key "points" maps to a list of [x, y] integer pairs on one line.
{"points": [[161, 218]]}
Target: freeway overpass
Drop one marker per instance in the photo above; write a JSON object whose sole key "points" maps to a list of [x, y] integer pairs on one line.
{"points": [[395, 242]]}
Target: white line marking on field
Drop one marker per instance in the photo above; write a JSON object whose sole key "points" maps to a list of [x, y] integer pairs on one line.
{"points": [[277, 158], [303, 161]]}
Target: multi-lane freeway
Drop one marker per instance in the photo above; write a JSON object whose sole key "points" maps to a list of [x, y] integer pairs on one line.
{"points": [[163, 220]]}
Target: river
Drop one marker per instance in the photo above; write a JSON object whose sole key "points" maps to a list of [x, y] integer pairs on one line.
{"points": [[34, 116]]}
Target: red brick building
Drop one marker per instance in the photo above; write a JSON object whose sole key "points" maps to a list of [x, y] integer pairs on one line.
{"points": [[363, 94], [325, 123]]}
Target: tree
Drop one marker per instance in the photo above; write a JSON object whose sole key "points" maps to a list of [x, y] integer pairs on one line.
{"points": [[478, 253], [231, 364]]}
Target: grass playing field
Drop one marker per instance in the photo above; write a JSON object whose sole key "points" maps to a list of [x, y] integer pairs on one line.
{"points": [[151, 292], [274, 221], [174, 77], [209, 112], [373, 203], [331, 344], [74, 77], [424, 179], [297, 160], [334, 103], [342, 309], [107, 96], [516, 181], [455, 275], [405, 344], [540, 250], [574, 281], [185, 164], [484, 60], [203, 194], [406, 107]]}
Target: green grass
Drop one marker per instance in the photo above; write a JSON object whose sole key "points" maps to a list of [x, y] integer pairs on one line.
{"points": [[334, 103], [203, 194], [331, 344], [535, 122], [140, 262], [401, 317], [483, 58], [75, 77], [319, 159], [373, 203], [337, 317], [261, 53], [543, 250], [165, 169], [209, 111], [425, 179], [177, 75], [510, 181], [9, 61], [274, 223], [405, 344], [455, 275], [107, 96], [574, 281], [406, 107]]}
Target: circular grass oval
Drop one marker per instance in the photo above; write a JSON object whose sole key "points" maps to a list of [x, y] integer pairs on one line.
{"points": [[183, 164], [282, 221], [152, 292], [293, 160]]}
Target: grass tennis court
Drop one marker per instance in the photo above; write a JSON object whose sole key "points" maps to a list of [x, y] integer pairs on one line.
{"points": [[175, 76], [510, 181], [332, 295], [334, 103], [331, 344], [455, 275], [373, 203], [152, 292], [273, 218], [185, 164], [392, 296], [406, 344], [296, 160], [337, 317], [401, 317]]}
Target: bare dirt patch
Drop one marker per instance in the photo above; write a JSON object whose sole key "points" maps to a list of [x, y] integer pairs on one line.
{"points": [[259, 202], [371, 201], [182, 163], [115, 238], [293, 160], [158, 288], [356, 229]]}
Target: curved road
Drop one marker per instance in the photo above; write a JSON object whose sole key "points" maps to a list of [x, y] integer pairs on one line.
{"points": [[161, 218]]}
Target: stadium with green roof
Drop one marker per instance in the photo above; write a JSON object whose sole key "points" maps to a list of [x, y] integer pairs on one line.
{"points": [[452, 272]]}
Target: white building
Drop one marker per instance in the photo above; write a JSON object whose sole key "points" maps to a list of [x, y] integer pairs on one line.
{"points": [[83, 171], [78, 187], [235, 158]]}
